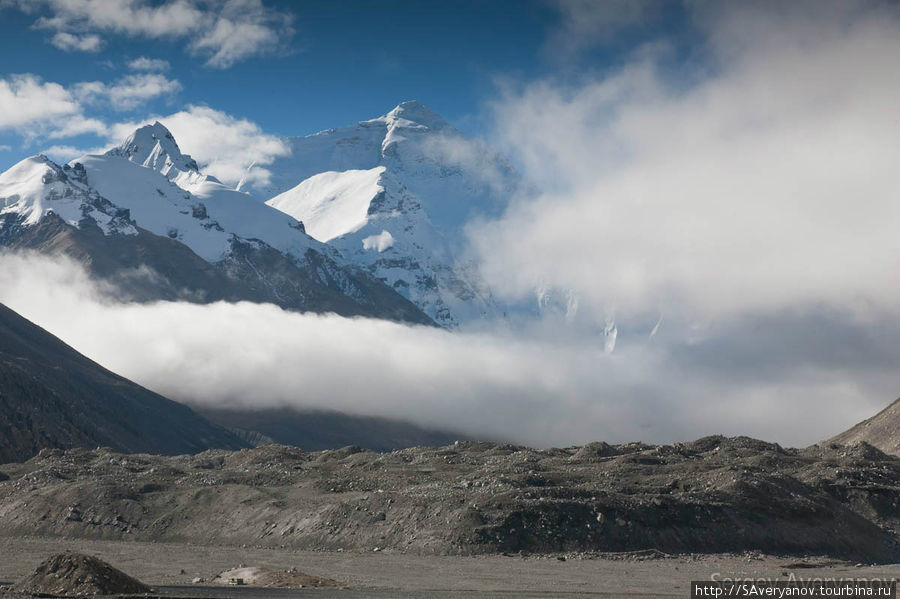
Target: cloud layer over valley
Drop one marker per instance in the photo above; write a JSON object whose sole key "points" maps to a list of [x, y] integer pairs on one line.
{"points": [[537, 387]]}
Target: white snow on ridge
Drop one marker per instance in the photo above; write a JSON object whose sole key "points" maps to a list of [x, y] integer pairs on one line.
{"points": [[454, 177], [168, 195], [37, 186], [332, 204], [205, 222]]}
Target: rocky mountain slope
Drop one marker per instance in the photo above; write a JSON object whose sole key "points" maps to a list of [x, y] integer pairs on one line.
{"points": [[881, 430], [394, 195], [52, 396], [124, 219], [716, 494]]}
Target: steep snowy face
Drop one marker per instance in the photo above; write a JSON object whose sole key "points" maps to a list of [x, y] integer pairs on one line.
{"points": [[36, 187], [378, 224], [393, 194], [455, 178], [400, 245], [332, 204]]}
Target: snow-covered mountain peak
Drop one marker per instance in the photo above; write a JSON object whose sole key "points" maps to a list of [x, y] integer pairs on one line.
{"points": [[394, 194], [415, 113], [26, 169], [37, 187], [155, 147]]}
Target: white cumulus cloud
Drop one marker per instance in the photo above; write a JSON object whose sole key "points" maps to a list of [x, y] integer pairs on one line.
{"points": [[27, 100]]}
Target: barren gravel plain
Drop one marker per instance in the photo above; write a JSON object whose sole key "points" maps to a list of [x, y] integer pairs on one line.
{"points": [[466, 520], [170, 568]]}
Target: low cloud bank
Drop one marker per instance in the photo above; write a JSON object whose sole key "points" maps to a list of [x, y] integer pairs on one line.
{"points": [[537, 388]]}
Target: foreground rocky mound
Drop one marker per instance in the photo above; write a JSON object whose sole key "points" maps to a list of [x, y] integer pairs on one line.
{"points": [[713, 495], [76, 575], [881, 430]]}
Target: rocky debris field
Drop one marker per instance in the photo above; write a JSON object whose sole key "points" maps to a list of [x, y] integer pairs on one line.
{"points": [[74, 575], [712, 495]]}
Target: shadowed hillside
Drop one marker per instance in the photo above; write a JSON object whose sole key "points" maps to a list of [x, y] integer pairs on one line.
{"points": [[53, 397]]}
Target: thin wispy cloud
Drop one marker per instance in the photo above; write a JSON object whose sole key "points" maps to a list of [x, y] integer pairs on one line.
{"points": [[586, 23], [129, 91], [69, 42], [62, 154], [222, 32], [142, 63]]}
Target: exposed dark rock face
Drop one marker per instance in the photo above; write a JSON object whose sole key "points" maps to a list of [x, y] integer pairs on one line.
{"points": [[52, 396], [315, 284], [143, 267], [714, 495]]}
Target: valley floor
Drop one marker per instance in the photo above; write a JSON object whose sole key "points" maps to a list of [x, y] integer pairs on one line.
{"points": [[170, 568]]}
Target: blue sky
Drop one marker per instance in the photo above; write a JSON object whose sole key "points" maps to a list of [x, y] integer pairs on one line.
{"points": [[316, 64], [342, 63]]}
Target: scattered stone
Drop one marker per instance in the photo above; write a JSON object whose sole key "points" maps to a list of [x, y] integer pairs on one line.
{"points": [[705, 496]]}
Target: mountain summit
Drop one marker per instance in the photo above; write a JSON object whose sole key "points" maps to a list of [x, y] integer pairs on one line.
{"points": [[394, 194], [155, 147], [417, 113]]}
